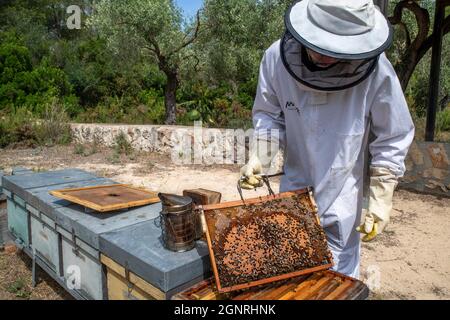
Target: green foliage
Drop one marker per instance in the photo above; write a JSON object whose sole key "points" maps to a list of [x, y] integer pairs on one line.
{"points": [[17, 126], [147, 28], [418, 87], [21, 127], [85, 150], [21, 84], [138, 22], [443, 120], [146, 108], [215, 106], [238, 33], [19, 288], [115, 69], [114, 158], [94, 73], [79, 149]]}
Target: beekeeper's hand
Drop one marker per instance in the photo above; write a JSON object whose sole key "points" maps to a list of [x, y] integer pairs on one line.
{"points": [[251, 174], [382, 185], [262, 152]]}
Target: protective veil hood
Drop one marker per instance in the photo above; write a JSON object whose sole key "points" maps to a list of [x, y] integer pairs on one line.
{"points": [[343, 75], [354, 32]]}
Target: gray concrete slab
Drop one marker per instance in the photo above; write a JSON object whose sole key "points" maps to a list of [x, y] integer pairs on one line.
{"points": [[89, 226], [140, 248], [18, 184], [20, 170]]}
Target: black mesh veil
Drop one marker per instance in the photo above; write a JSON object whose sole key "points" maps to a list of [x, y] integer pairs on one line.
{"points": [[343, 75]]}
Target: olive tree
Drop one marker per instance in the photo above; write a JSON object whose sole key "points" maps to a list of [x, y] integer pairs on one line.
{"points": [[154, 28], [236, 33]]}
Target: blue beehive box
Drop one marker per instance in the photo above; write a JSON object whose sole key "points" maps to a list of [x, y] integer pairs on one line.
{"points": [[85, 232], [44, 230], [18, 220], [25, 180], [16, 189]]}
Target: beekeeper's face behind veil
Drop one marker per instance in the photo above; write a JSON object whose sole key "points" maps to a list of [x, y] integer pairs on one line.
{"points": [[332, 45]]}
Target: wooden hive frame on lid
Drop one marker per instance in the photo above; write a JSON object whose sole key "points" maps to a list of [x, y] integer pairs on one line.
{"points": [[108, 198], [266, 239]]}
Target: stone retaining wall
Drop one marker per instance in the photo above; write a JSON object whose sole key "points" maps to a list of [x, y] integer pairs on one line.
{"points": [[428, 168], [427, 164]]}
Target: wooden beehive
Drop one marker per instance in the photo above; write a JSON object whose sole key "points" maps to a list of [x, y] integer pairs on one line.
{"points": [[265, 239], [321, 285], [125, 285], [203, 196]]}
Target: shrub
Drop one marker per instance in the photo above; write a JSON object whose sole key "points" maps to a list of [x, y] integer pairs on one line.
{"points": [[79, 149], [54, 128], [122, 145], [17, 126], [23, 85], [443, 120]]}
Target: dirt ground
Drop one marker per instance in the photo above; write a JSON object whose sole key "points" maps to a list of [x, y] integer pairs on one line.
{"points": [[411, 260]]}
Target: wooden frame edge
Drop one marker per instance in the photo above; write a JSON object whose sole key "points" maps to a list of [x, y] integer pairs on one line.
{"points": [[104, 209], [257, 200], [274, 279]]}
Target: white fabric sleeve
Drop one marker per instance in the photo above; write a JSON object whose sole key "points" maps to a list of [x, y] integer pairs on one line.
{"points": [[268, 117], [392, 124]]}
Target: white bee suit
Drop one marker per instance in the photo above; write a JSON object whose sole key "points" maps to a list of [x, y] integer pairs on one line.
{"points": [[325, 135]]}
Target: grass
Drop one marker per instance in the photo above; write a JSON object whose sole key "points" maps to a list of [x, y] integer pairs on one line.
{"points": [[19, 289], [79, 149], [121, 147], [114, 158], [85, 150]]}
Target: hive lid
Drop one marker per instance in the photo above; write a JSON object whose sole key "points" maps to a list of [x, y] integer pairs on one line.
{"points": [[108, 198], [265, 240]]}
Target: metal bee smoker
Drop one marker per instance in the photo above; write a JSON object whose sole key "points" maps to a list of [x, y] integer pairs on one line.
{"points": [[179, 222]]}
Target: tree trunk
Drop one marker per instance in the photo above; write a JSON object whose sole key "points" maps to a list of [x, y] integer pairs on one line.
{"points": [[406, 69], [170, 93]]}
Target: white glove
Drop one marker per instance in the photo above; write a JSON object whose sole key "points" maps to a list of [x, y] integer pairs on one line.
{"points": [[382, 186], [251, 174], [262, 152]]}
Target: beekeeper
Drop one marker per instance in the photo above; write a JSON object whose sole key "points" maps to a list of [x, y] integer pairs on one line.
{"points": [[330, 95]]}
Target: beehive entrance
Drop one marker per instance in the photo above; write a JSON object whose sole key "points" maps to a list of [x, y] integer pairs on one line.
{"points": [[267, 240]]}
